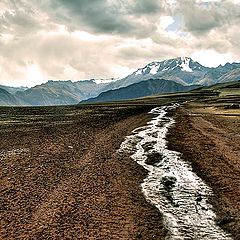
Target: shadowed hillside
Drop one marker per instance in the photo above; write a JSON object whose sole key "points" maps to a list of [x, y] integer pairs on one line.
{"points": [[142, 89]]}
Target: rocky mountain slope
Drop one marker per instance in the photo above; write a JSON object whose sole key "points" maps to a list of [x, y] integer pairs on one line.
{"points": [[7, 98], [60, 92], [13, 90], [182, 70]]}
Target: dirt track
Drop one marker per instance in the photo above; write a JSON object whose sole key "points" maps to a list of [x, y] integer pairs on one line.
{"points": [[209, 139]]}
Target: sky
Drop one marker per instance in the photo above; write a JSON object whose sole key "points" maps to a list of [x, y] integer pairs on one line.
{"points": [[84, 39]]}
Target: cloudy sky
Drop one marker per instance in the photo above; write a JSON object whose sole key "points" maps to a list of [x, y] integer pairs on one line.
{"points": [[83, 39]]}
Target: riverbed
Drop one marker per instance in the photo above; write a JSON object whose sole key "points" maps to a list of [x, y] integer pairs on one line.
{"points": [[171, 185]]}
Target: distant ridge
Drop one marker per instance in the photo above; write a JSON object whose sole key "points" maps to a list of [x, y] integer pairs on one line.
{"points": [[7, 98], [182, 70], [60, 92], [141, 89], [13, 90]]}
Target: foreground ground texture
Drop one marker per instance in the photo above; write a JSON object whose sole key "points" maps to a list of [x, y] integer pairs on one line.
{"points": [[61, 178], [208, 136]]}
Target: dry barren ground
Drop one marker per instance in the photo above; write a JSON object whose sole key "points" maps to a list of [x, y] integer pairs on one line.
{"points": [[62, 179], [209, 138]]}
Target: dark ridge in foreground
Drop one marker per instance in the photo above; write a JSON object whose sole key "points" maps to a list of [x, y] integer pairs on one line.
{"points": [[141, 89]]}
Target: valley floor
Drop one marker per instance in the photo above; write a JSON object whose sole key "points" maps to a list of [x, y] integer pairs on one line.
{"points": [[209, 138], [61, 177]]}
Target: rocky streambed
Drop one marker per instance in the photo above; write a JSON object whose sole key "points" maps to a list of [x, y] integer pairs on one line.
{"points": [[171, 185]]}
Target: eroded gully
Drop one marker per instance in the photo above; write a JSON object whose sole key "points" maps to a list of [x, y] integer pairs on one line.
{"points": [[171, 185]]}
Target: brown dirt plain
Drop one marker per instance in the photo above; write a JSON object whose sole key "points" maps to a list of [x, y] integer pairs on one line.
{"points": [[61, 178]]}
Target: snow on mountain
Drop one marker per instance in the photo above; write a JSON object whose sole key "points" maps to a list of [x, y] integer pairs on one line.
{"points": [[182, 63], [182, 70], [154, 69], [185, 64], [138, 72], [108, 80]]}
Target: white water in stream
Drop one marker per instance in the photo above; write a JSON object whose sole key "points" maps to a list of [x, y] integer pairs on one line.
{"points": [[171, 185]]}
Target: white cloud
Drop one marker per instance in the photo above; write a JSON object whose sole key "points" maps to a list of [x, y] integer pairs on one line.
{"points": [[208, 1], [211, 58], [166, 21], [121, 71], [60, 39], [34, 75], [71, 72]]}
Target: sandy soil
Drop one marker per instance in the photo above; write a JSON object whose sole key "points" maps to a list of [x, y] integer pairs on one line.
{"points": [[61, 177], [209, 138]]}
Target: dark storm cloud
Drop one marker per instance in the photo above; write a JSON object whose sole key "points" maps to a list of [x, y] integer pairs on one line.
{"points": [[110, 17], [146, 7], [118, 17], [81, 39], [100, 15], [202, 17]]}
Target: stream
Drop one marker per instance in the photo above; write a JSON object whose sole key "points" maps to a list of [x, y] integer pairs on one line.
{"points": [[171, 185]]}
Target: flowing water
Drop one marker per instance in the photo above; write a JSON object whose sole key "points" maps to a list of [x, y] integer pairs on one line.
{"points": [[171, 185]]}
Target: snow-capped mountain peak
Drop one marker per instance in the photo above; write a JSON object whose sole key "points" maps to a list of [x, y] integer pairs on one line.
{"points": [[182, 70], [151, 68], [154, 68], [185, 64], [181, 63]]}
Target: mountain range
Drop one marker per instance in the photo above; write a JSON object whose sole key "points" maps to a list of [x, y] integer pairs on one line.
{"points": [[8, 99], [60, 92], [182, 70]]}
